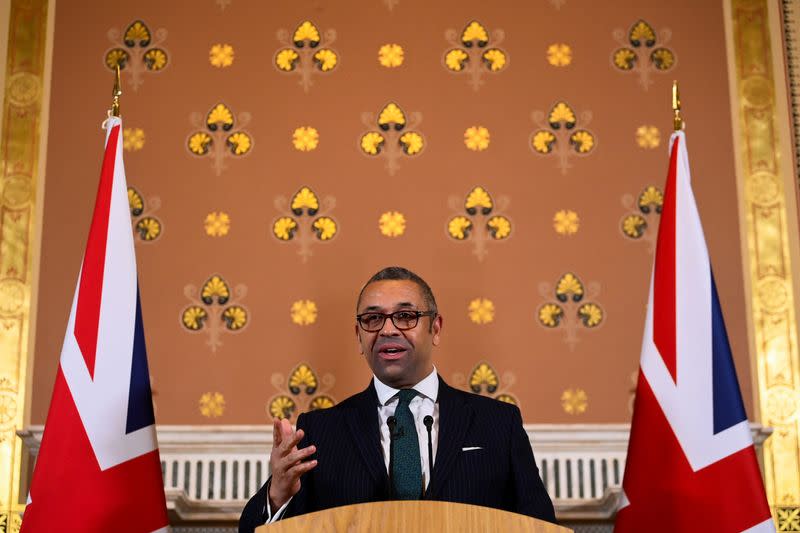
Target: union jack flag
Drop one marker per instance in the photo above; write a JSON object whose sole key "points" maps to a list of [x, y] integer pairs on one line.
{"points": [[691, 462], [98, 467]]}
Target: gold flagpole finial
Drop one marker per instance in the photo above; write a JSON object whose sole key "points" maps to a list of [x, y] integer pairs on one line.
{"points": [[117, 92], [677, 121]]}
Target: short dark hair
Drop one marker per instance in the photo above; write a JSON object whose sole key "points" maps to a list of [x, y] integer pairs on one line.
{"points": [[396, 273]]}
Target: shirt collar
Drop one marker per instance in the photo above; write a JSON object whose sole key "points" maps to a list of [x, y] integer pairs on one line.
{"points": [[428, 387]]}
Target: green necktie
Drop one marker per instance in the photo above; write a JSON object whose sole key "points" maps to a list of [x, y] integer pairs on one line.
{"points": [[406, 468]]}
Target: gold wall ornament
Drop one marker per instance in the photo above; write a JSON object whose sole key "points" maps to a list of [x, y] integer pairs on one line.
{"points": [[306, 53], [395, 136], [137, 51], [640, 222], [211, 404], [574, 401], [559, 54], [305, 220], [481, 311], [484, 380], [221, 55], [558, 134], [642, 50], [566, 222], [302, 391], [769, 234], [303, 312], [215, 309], [391, 55], [390, 4], [219, 136], [575, 307], [479, 220], [392, 224], [305, 138], [146, 226], [475, 52], [133, 139], [217, 224], [223, 4], [22, 141], [648, 137], [476, 138]]}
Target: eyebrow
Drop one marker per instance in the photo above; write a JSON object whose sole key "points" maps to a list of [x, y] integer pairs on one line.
{"points": [[400, 304]]}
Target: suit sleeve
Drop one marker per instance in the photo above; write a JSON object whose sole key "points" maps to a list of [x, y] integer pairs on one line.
{"points": [[256, 514], [530, 496]]}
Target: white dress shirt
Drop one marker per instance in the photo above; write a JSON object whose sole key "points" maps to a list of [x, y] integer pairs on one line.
{"points": [[423, 404]]}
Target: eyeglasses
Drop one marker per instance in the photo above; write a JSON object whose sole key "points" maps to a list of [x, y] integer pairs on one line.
{"points": [[402, 320]]}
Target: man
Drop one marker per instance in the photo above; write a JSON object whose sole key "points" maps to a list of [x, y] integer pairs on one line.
{"points": [[378, 444]]}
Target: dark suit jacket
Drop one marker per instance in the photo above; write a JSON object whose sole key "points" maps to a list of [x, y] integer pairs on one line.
{"points": [[351, 468]]}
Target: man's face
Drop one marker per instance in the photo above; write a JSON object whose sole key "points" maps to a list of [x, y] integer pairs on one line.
{"points": [[399, 358]]}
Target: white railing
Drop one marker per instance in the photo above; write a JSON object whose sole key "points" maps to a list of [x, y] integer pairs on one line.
{"points": [[210, 471]]}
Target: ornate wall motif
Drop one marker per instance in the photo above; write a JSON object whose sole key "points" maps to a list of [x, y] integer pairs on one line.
{"points": [[769, 210], [20, 179]]}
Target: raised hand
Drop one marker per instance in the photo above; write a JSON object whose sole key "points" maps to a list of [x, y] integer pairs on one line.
{"points": [[287, 463]]}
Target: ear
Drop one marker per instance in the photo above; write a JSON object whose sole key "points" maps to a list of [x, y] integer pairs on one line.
{"points": [[358, 339], [437, 329]]}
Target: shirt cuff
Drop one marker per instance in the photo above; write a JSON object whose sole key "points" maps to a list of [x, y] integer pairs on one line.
{"points": [[267, 514]]}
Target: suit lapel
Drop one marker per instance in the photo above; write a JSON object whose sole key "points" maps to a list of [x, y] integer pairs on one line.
{"points": [[455, 417], [366, 433]]}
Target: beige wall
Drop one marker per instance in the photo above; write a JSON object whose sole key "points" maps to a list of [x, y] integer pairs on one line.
{"points": [[183, 366]]}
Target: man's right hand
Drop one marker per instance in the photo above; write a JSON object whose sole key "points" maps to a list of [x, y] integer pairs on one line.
{"points": [[287, 463]]}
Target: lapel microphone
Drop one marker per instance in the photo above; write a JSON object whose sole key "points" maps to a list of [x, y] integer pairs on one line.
{"points": [[428, 421], [392, 423]]}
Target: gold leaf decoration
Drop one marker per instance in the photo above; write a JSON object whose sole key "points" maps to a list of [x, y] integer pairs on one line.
{"points": [[303, 312], [481, 311], [303, 378], [483, 377], [392, 224], [574, 401], [212, 404]]}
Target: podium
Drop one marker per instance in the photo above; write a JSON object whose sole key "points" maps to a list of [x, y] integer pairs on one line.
{"points": [[411, 517]]}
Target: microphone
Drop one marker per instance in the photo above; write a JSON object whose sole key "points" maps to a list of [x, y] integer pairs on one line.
{"points": [[392, 423], [428, 421]]}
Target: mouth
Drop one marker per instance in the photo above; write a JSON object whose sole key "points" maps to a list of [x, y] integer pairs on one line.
{"points": [[392, 352]]}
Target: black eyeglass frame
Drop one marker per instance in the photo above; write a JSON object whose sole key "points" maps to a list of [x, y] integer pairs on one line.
{"points": [[417, 315]]}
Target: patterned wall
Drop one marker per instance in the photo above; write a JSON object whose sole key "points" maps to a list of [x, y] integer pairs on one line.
{"points": [[278, 154]]}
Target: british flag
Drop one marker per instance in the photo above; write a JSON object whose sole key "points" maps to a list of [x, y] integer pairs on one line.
{"points": [[98, 467], [691, 463]]}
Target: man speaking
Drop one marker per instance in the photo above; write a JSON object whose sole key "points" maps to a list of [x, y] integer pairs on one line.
{"points": [[409, 435]]}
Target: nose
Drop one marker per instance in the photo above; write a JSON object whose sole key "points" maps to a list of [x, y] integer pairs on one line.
{"points": [[389, 329]]}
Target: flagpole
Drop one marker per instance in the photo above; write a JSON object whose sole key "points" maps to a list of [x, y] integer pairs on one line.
{"points": [[677, 120], [116, 93]]}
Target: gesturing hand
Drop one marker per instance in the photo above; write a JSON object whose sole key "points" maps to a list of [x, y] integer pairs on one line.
{"points": [[287, 463]]}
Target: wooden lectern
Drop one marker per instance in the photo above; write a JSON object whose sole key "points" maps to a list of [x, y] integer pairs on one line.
{"points": [[411, 517]]}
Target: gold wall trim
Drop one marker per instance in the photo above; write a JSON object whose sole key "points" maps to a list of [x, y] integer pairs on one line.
{"points": [[769, 236], [22, 144]]}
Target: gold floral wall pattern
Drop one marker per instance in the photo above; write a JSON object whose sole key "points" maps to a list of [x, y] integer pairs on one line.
{"points": [[301, 392], [146, 226], [479, 220], [640, 223], [137, 51], [485, 381], [560, 137], [641, 50], [573, 309], [394, 136], [475, 53], [215, 309], [306, 53], [305, 220], [219, 136]]}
